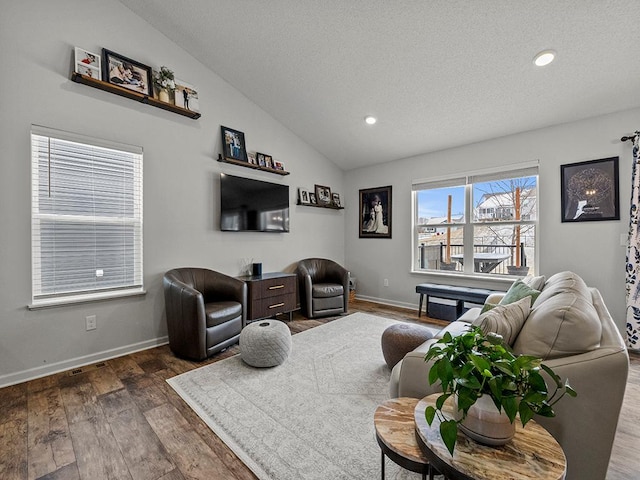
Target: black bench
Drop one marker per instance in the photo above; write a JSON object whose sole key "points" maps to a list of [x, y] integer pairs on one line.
{"points": [[450, 292]]}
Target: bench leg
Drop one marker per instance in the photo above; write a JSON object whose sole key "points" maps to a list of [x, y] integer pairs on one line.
{"points": [[420, 307], [459, 307]]}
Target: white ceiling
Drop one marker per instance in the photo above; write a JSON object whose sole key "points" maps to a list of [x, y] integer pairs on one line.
{"points": [[437, 74]]}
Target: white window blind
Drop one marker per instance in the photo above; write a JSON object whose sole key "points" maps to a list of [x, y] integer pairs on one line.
{"points": [[86, 216]]}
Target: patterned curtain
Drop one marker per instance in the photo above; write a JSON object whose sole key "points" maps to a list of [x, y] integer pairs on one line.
{"points": [[633, 253]]}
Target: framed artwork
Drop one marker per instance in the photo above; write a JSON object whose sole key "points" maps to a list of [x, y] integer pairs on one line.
{"points": [[590, 191], [88, 64], [268, 161], [323, 195], [233, 145], [278, 165], [126, 73], [251, 158], [335, 199], [375, 212], [261, 161], [312, 198], [303, 196], [186, 96]]}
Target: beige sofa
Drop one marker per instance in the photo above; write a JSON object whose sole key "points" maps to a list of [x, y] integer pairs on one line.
{"points": [[570, 327]]}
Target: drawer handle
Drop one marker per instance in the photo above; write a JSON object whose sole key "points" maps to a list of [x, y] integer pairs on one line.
{"points": [[275, 287], [277, 305]]}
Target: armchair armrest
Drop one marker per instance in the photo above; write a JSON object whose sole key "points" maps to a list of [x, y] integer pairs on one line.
{"points": [[186, 322]]}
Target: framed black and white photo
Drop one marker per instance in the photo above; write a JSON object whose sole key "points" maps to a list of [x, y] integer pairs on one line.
{"points": [[87, 63], [233, 145], [323, 195], [375, 212], [590, 190], [312, 198], [303, 196], [126, 73], [335, 199]]}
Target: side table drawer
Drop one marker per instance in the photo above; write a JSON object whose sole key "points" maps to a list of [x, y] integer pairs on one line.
{"points": [[267, 307], [275, 287]]}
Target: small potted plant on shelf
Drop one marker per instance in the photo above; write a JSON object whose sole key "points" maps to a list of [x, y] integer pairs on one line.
{"points": [[486, 379], [164, 82]]}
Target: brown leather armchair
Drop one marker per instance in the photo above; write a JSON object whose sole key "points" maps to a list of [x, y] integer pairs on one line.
{"points": [[324, 287], [206, 311]]}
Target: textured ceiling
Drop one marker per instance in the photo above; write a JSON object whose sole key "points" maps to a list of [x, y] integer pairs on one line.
{"points": [[437, 74]]}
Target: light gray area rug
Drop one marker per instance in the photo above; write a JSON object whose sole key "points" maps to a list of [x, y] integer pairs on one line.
{"points": [[309, 418]]}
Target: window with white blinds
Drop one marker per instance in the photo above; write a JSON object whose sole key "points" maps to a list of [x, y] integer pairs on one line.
{"points": [[86, 217]]}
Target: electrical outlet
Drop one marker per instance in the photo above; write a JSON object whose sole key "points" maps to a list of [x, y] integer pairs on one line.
{"points": [[92, 322], [385, 282]]}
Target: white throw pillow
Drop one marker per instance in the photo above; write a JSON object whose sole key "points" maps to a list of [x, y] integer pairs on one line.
{"points": [[505, 320], [534, 282]]}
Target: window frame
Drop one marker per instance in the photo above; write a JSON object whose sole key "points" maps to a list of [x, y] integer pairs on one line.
{"points": [[42, 299]]}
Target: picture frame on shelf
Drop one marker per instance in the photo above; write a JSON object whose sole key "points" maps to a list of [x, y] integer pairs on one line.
{"points": [[233, 145], [335, 200], [87, 63], [590, 190], [186, 96], [323, 195], [126, 73], [312, 199], [303, 196], [261, 160], [251, 158], [268, 160], [375, 212], [278, 165]]}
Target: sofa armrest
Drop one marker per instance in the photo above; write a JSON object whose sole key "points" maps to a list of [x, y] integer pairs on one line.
{"points": [[410, 377], [494, 298]]}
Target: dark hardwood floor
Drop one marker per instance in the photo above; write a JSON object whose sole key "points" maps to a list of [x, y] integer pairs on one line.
{"points": [[120, 420]]}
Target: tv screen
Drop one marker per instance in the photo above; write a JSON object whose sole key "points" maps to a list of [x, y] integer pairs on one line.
{"points": [[248, 205]]}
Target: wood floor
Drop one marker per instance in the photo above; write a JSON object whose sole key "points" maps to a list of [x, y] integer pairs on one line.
{"points": [[120, 420]]}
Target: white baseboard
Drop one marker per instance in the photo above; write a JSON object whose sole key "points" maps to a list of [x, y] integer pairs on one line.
{"points": [[43, 371], [384, 301]]}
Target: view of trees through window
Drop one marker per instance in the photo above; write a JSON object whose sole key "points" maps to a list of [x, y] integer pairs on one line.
{"points": [[502, 216]]}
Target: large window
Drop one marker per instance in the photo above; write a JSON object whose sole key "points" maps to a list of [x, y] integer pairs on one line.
{"points": [[477, 224], [86, 218]]}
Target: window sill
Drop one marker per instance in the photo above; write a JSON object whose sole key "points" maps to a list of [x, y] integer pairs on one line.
{"points": [[86, 298], [497, 279]]}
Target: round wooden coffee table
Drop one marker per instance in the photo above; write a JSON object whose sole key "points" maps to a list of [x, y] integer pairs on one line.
{"points": [[532, 454], [396, 435]]}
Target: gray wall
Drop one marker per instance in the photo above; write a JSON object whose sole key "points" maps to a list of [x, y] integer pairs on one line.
{"points": [[180, 172], [591, 249]]}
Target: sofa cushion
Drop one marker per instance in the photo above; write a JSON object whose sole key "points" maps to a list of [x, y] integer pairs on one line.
{"points": [[518, 291], [562, 322], [505, 320], [535, 282]]}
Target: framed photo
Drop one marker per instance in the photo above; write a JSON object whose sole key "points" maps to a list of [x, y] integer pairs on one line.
{"points": [[375, 212], [312, 198], [251, 158], [335, 199], [233, 145], [268, 160], [278, 165], [261, 161], [87, 63], [303, 196], [590, 190], [323, 195], [126, 73], [186, 96]]}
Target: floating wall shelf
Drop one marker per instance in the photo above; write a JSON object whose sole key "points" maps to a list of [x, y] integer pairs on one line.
{"points": [[251, 165], [124, 92], [332, 207]]}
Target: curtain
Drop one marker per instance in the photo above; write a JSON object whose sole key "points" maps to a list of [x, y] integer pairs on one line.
{"points": [[633, 253]]}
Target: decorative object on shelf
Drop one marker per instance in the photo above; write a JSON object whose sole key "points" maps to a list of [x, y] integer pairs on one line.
{"points": [[303, 196], [186, 96], [474, 365], [164, 83], [375, 212], [323, 195], [261, 160], [312, 198], [233, 145], [268, 161], [87, 63], [247, 163], [335, 200], [590, 190], [278, 165], [126, 73], [251, 158]]}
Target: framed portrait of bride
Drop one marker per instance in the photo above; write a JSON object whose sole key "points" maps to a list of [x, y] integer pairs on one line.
{"points": [[375, 212]]}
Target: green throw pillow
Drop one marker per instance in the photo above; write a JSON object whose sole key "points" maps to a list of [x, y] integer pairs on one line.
{"points": [[488, 306], [518, 291]]}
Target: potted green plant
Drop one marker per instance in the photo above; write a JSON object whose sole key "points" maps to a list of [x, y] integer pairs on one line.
{"points": [[474, 365]]}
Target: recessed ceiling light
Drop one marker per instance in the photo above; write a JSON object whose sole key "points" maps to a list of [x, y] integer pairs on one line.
{"points": [[370, 119], [544, 58]]}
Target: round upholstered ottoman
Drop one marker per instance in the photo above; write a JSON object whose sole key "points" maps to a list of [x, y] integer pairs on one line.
{"points": [[400, 339], [265, 343]]}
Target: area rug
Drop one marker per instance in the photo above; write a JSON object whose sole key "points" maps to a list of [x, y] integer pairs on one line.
{"points": [[310, 418]]}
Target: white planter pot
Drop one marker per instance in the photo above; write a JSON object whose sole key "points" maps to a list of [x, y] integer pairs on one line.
{"points": [[485, 424]]}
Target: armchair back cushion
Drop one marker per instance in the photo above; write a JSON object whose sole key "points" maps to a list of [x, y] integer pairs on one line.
{"points": [[323, 287]]}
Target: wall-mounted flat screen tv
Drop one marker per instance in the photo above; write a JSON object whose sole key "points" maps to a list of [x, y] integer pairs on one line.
{"points": [[248, 205]]}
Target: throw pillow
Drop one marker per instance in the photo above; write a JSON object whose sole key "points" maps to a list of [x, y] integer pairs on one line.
{"points": [[505, 320], [535, 282], [518, 291], [488, 306]]}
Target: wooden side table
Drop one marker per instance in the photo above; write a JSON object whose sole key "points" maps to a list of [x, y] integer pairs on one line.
{"points": [[532, 454], [270, 294], [396, 435]]}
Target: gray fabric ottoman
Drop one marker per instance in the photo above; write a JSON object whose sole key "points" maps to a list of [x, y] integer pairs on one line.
{"points": [[400, 339], [265, 343]]}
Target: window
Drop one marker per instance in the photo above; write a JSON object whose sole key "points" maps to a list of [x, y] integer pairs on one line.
{"points": [[86, 218], [477, 224]]}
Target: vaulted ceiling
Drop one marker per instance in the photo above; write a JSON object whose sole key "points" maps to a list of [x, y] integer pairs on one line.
{"points": [[436, 74]]}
